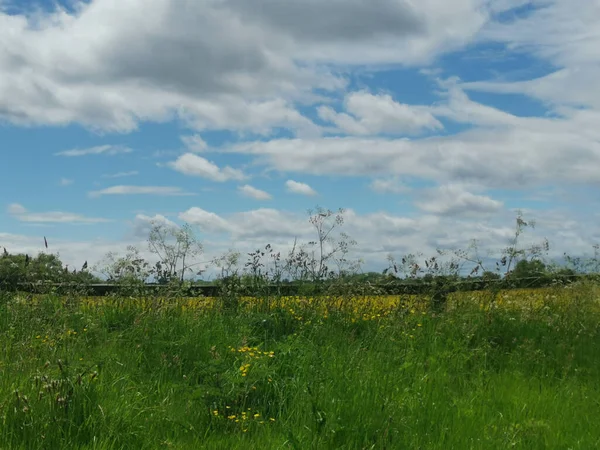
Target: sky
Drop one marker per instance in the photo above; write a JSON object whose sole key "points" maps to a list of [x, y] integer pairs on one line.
{"points": [[432, 123]]}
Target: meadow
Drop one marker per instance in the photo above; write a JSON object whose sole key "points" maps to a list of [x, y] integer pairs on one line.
{"points": [[494, 370]]}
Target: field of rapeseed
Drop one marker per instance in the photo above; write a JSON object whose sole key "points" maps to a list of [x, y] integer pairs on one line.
{"points": [[495, 370]]}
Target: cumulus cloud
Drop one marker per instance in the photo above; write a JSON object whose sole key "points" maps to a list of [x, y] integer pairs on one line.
{"points": [[194, 143], [20, 213], [460, 108], [374, 114], [252, 192], [65, 182], [262, 224], [194, 165], [142, 224], [242, 115], [455, 200], [139, 190], [509, 151], [391, 185], [108, 150], [231, 64], [296, 187], [367, 32], [561, 32], [567, 86], [543, 31], [208, 221]]}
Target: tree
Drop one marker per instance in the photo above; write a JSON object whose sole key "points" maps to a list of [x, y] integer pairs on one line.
{"points": [[13, 269], [227, 263], [43, 268], [513, 254], [131, 268], [488, 275], [177, 249], [526, 269], [46, 267], [314, 260]]}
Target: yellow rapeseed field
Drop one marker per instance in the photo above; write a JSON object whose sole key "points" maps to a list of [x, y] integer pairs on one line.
{"points": [[359, 307]]}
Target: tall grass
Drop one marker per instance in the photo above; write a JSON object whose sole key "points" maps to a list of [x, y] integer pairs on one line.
{"points": [[167, 375]]}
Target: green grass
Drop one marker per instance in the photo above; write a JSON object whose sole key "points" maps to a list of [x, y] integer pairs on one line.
{"points": [[167, 378]]}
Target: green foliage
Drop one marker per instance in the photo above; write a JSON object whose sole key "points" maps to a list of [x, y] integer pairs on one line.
{"points": [[177, 248], [322, 266], [128, 269], [533, 268], [17, 270], [129, 376]]}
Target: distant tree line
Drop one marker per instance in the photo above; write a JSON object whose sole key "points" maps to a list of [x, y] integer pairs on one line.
{"points": [[20, 269], [321, 265]]}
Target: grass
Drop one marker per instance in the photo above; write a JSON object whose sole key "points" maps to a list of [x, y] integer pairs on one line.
{"points": [[304, 374]]}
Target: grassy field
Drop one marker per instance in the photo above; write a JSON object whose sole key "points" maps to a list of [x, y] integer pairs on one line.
{"points": [[519, 369]]}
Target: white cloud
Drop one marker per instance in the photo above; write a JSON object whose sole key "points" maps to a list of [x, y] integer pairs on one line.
{"points": [[460, 108], [381, 233], [142, 224], [567, 86], [296, 187], [506, 151], [374, 114], [139, 190], [455, 200], [194, 143], [65, 182], [360, 32], [561, 32], [245, 116], [252, 192], [20, 213], [217, 65], [378, 234], [100, 150], [208, 221], [194, 165], [392, 185], [261, 226]]}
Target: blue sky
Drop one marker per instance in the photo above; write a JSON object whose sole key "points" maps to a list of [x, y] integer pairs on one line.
{"points": [[431, 122]]}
